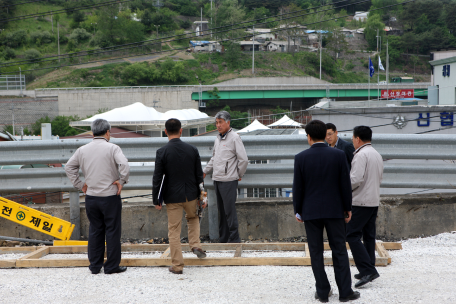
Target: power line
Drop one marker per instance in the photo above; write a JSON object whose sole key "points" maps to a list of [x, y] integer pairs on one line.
{"points": [[84, 53], [15, 4], [224, 40], [62, 11]]}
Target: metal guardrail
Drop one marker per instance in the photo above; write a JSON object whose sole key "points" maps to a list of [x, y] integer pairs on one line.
{"points": [[390, 146], [219, 86], [411, 146]]}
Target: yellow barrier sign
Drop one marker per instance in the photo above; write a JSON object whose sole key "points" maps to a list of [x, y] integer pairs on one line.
{"points": [[35, 219]]}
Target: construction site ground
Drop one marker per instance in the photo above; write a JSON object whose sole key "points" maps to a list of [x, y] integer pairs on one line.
{"points": [[424, 271]]}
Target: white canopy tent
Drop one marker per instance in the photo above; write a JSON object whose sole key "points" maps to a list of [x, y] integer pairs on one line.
{"points": [[139, 114], [255, 125], [140, 118], [285, 122]]}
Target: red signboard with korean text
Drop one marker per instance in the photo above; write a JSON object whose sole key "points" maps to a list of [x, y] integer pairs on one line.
{"points": [[390, 94]]}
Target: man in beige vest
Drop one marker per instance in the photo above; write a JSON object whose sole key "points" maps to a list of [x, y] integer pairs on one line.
{"points": [[106, 171]]}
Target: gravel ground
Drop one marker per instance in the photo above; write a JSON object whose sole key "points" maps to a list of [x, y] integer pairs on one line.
{"points": [[423, 272]]}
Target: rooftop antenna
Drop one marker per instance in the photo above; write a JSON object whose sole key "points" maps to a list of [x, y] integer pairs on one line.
{"points": [[158, 4]]}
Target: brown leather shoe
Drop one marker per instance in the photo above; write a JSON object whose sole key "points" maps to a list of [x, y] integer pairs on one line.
{"points": [[171, 269], [199, 252]]}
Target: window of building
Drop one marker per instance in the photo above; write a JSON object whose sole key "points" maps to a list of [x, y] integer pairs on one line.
{"points": [[193, 132]]}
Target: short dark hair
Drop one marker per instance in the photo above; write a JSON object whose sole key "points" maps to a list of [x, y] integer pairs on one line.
{"points": [[173, 126], [316, 129], [331, 126], [363, 132]]}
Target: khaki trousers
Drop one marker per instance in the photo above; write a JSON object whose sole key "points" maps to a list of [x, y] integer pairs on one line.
{"points": [[174, 230]]}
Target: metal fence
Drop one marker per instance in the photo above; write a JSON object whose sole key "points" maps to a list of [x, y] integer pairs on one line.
{"points": [[12, 82], [277, 175]]}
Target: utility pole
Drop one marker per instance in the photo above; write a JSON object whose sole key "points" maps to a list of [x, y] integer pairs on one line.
{"points": [[321, 42], [20, 79], [201, 21], [58, 40], [253, 53], [157, 26], [52, 22], [211, 17]]}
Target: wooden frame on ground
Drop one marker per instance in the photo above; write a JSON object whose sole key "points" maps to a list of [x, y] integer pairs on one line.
{"points": [[35, 253]]}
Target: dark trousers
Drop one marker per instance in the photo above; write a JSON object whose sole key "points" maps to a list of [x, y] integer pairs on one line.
{"points": [[104, 214], [335, 229], [362, 224], [228, 223]]}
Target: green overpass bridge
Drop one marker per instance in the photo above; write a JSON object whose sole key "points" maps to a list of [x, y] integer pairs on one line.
{"points": [[307, 91]]}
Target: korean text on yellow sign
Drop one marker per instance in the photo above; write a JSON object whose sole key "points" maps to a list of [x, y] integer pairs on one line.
{"points": [[36, 220]]}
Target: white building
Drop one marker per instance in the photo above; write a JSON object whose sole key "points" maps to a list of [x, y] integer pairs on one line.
{"points": [[443, 89], [361, 16], [263, 33]]}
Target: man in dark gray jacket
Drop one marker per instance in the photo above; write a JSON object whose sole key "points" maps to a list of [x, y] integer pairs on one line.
{"points": [[228, 164], [333, 140]]}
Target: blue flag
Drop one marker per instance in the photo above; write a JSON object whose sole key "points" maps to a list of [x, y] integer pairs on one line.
{"points": [[371, 68]]}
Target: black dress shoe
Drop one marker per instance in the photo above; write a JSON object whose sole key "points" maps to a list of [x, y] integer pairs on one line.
{"points": [[355, 295], [358, 276], [95, 271], [322, 300], [118, 270], [366, 279]]}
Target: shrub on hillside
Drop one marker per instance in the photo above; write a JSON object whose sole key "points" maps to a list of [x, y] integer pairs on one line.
{"points": [[79, 35], [32, 54], [42, 37], [15, 39], [9, 53]]}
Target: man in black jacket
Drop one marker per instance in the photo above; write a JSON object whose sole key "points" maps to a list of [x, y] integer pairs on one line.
{"points": [[334, 141], [179, 164], [322, 199]]}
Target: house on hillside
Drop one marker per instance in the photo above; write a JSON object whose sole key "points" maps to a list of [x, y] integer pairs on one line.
{"points": [[205, 46], [249, 45], [361, 16], [263, 34], [280, 46], [200, 27]]}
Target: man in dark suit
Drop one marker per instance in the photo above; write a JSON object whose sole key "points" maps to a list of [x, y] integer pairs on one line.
{"points": [[180, 163], [334, 141], [320, 207]]}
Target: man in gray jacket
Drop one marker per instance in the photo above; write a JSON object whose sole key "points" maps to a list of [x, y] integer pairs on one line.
{"points": [[106, 171], [365, 175], [228, 164]]}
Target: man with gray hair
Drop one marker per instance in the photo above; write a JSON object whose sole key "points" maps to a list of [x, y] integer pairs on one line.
{"points": [[228, 164], [106, 170]]}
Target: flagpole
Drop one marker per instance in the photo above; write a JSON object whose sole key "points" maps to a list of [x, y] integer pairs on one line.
{"points": [[378, 74], [387, 69], [369, 77]]}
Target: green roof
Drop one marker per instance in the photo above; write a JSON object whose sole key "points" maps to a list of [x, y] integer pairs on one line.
{"points": [[443, 61]]}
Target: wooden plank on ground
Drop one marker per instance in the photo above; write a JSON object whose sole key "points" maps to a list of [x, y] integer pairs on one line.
{"points": [[165, 254], [238, 252], [67, 249], [7, 250], [36, 254], [392, 246], [378, 261], [382, 252], [7, 263], [51, 263], [307, 251]]}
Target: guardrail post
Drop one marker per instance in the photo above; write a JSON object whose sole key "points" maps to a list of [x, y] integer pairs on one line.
{"points": [[213, 214], [75, 215]]}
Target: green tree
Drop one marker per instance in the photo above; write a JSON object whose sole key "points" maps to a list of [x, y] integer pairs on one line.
{"points": [[373, 24], [233, 54], [238, 118], [336, 42]]}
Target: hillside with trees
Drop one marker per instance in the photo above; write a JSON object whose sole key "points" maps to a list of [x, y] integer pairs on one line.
{"points": [[89, 31]]}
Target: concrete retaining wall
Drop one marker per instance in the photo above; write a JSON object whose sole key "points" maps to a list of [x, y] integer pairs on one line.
{"points": [[399, 217]]}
